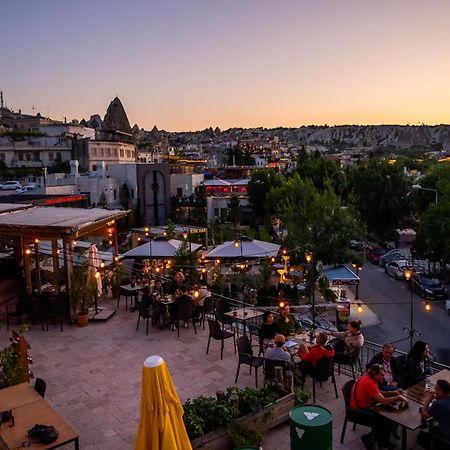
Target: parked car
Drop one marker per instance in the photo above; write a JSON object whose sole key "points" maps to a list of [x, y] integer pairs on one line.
{"points": [[393, 255], [396, 269], [428, 286], [25, 189], [373, 254], [10, 186]]}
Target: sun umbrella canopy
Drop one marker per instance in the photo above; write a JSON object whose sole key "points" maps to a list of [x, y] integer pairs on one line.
{"points": [[245, 248], [161, 425], [93, 266], [158, 248]]}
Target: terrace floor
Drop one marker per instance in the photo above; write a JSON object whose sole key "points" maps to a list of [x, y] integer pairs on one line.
{"points": [[94, 377]]}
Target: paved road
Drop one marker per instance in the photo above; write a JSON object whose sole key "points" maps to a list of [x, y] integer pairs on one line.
{"points": [[393, 310]]}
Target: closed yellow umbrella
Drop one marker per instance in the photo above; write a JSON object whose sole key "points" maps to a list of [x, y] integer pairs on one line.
{"points": [[161, 425]]}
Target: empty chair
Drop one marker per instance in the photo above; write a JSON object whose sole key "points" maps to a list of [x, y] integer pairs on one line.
{"points": [[269, 367], [17, 311], [356, 416], [146, 313], [216, 332], [222, 307], [346, 359], [124, 293], [40, 386], [185, 313], [207, 309], [53, 309], [322, 371], [246, 357]]}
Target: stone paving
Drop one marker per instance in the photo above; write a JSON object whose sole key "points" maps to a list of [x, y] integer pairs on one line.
{"points": [[94, 377]]}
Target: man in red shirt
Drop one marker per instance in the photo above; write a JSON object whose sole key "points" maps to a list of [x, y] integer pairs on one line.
{"points": [[316, 352], [365, 393]]}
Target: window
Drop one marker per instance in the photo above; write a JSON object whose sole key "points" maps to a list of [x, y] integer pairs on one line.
{"points": [[108, 152], [50, 156], [93, 152], [101, 152], [2, 156], [58, 157], [36, 156], [128, 154], [132, 193], [29, 156], [115, 194], [121, 153], [179, 192], [115, 152], [20, 156]]}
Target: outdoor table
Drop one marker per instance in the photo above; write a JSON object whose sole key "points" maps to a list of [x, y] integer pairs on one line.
{"points": [[409, 418], [243, 315], [29, 408], [418, 392], [133, 291]]}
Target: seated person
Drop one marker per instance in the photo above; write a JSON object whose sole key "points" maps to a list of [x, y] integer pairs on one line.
{"points": [[386, 359], [183, 298], [439, 410], [174, 287], [268, 329], [315, 353], [278, 352], [287, 324], [202, 294], [417, 365], [365, 393], [158, 290], [352, 339]]}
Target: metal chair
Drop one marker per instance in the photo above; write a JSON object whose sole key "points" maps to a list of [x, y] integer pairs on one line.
{"points": [[40, 386], [356, 416], [438, 442], [222, 306], [271, 364], [207, 308], [125, 293], [17, 311], [346, 359], [185, 312], [246, 356], [322, 371], [216, 332], [144, 312]]}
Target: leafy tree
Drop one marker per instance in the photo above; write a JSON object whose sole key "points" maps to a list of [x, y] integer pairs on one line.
{"points": [[185, 260], [234, 210], [261, 182], [315, 218], [380, 191]]}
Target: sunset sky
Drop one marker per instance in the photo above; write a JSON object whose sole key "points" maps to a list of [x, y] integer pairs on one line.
{"points": [[191, 64]]}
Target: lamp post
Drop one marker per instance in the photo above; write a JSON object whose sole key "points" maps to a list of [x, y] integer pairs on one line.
{"points": [[309, 259], [357, 267], [238, 244], [187, 235], [418, 187]]}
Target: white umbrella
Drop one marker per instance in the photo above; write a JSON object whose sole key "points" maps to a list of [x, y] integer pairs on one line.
{"points": [[158, 248], [94, 264], [246, 248]]}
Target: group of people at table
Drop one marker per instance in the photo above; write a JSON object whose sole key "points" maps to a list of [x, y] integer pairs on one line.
{"points": [[162, 301], [383, 383]]}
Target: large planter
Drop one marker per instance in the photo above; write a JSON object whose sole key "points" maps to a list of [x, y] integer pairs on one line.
{"points": [[269, 417], [82, 320]]}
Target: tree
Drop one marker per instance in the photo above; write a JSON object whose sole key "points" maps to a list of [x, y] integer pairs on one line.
{"points": [[186, 261], [315, 218], [380, 191], [261, 182], [234, 210], [236, 157]]}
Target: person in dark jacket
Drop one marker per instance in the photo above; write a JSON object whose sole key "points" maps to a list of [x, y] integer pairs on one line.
{"points": [[183, 298], [417, 365], [385, 358], [268, 329]]}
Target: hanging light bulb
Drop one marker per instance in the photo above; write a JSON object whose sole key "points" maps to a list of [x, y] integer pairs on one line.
{"points": [[196, 294], [28, 251], [281, 305], [116, 258], [36, 241], [359, 308], [217, 261], [97, 274], [427, 306], [272, 259], [102, 265], [236, 243]]}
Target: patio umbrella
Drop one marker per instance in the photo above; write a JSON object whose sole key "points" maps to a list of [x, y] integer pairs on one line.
{"points": [[247, 249], [93, 266], [161, 425], [157, 248]]}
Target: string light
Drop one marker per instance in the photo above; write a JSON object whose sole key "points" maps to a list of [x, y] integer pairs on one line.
{"points": [[359, 308], [427, 306], [196, 294], [236, 243], [281, 305], [97, 274], [28, 251], [36, 241], [102, 265]]}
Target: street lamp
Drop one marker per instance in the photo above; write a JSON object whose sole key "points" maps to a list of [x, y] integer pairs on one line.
{"points": [[357, 267], [309, 259], [418, 187]]}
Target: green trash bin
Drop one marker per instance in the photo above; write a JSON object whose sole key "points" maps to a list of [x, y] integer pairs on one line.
{"points": [[311, 428]]}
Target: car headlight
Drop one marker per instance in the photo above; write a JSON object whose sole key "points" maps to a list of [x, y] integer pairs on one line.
{"points": [[428, 291]]}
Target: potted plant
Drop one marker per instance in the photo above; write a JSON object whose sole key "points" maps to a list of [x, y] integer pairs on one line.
{"points": [[115, 280], [83, 289]]}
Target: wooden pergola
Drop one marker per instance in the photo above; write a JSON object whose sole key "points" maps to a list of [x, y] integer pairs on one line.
{"points": [[28, 225]]}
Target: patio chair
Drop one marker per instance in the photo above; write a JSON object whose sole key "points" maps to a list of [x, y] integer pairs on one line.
{"points": [[216, 332], [246, 357], [53, 309], [185, 313], [146, 313], [125, 293], [346, 359], [356, 416], [269, 367], [222, 306], [17, 311], [207, 309], [438, 442], [322, 371], [40, 386]]}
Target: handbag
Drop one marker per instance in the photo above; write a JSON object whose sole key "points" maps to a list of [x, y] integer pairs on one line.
{"points": [[45, 433]]}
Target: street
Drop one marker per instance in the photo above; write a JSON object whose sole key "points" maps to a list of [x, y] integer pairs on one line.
{"points": [[390, 300]]}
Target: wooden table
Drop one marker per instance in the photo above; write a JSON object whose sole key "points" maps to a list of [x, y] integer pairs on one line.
{"points": [[28, 409], [418, 391], [244, 314], [408, 418]]}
